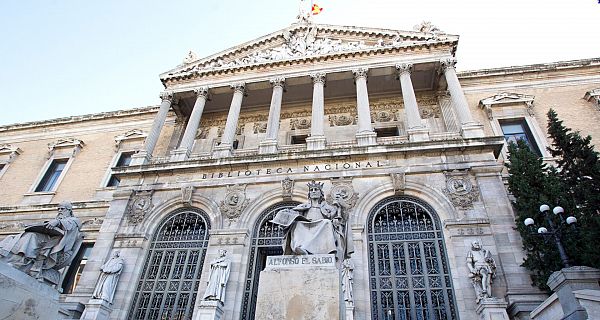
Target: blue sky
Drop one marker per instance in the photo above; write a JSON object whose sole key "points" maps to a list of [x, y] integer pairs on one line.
{"points": [[63, 58]]}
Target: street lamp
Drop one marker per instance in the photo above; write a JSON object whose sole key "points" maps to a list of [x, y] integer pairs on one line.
{"points": [[554, 231]]}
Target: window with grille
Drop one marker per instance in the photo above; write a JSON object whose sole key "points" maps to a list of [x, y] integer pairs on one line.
{"points": [[408, 269], [48, 182], [170, 277], [266, 241]]}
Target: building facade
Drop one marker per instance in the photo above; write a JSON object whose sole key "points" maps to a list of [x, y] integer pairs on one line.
{"points": [[381, 117]]}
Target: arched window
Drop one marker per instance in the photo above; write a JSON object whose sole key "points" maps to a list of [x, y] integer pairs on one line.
{"points": [[266, 241], [170, 278], [408, 269]]}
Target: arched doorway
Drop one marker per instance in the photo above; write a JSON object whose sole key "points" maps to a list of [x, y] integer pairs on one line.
{"points": [[408, 269], [266, 241], [170, 278]]}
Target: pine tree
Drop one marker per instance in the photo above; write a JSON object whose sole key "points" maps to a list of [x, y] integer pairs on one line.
{"points": [[579, 168], [533, 183]]}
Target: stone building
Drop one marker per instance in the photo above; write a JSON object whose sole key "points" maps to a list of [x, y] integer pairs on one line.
{"points": [[380, 116]]}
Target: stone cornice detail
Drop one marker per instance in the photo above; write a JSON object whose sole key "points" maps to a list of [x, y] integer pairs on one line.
{"points": [[553, 66], [129, 135], [506, 98]]}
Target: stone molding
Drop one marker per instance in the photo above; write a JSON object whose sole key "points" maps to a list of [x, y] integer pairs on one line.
{"points": [[593, 95], [506, 98], [68, 145], [132, 134], [8, 153]]}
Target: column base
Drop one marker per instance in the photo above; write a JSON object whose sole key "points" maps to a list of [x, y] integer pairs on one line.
{"points": [[209, 310], [349, 311], [366, 138], [418, 134], [140, 158], [472, 130], [267, 146], [96, 309], [180, 155], [315, 143], [223, 151], [492, 309]]}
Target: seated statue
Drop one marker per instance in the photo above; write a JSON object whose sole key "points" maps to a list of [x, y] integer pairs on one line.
{"points": [[316, 227], [43, 249]]}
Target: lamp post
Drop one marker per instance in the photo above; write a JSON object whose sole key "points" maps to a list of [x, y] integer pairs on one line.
{"points": [[554, 231]]}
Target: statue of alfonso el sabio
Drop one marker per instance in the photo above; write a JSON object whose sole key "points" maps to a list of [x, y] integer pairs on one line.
{"points": [[43, 249], [316, 227]]}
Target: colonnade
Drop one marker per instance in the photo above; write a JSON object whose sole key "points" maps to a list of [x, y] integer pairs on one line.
{"points": [[365, 134]]}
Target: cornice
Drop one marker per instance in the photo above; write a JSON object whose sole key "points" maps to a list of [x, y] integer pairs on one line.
{"points": [[82, 118], [540, 67]]}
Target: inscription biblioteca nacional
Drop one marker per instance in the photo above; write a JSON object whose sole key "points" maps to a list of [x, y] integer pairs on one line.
{"points": [[288, 170]]}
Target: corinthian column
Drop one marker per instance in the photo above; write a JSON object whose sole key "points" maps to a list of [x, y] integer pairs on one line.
{"points": [[269, 145], [152, 138], [365, 135], [316, 141], [415, 128], [469, 128], [187, 142], [226, 146]]}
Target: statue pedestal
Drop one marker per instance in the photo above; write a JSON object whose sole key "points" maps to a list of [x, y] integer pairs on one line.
{"points": [[209, 310], [300, 287], [567, 282], [492, 309], [24, 297], [96, 309]]}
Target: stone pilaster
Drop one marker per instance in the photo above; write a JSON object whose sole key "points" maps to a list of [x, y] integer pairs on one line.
{"points": [[144, 155], [365, 135], [226, 146], [415, 128], [269, 145], [316, 141], [469, 128], [187, 142]]}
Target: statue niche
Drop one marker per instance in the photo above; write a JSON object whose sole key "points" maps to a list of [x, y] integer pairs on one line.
{"points": [[43, 249]]}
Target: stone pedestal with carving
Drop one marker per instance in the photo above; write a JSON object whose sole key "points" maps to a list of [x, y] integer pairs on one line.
{"points": [[23, 297], [209, 310], [315, 143], [300, 287], [367, 138], [492, 309], [96, 309]]}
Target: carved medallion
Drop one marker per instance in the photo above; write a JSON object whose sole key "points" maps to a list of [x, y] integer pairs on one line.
{"points": [[202, 133], [235, 201], [287, 188], [383, 116], [303, 123], [260, 127], [459, 189], [338, 120], [139, 206], [343, 193], [430, 112]]}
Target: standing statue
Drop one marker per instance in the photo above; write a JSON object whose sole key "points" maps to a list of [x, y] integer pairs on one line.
{"points": [[217, 277], [482, 270], [107, 284], [316, 227], [44, 248], [347, 281]]}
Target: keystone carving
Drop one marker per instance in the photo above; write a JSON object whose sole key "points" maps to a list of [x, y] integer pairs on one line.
{"points": [[287, 188]]}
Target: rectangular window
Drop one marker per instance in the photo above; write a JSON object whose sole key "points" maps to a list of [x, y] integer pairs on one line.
{"points": [[387, 132], [76, 269], [124, 161], [52, 174], [299, 139], [515, 130]]}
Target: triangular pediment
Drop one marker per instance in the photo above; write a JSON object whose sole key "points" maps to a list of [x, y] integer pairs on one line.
{"points": [[506, 97], [309, 41]]}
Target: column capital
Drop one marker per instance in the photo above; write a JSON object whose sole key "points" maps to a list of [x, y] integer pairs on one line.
{"points": [[318, 77], [201, 92], [166, 96], [277, 82], [404, 68], [239, 86], [448, 63], [360, 73]]}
